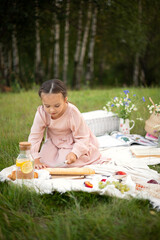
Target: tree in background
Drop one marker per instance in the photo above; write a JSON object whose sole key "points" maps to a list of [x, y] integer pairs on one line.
{"points": [[38, 62], [90, 61], [66, 39], [78, 46], [83, 49], [56, 39], [89, 42]]}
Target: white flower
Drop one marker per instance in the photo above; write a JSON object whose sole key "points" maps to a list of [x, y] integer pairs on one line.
{"points": [[151, 107], [140, 119]]}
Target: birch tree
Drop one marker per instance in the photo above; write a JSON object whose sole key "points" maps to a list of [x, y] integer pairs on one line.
{"points": [[15, 56], [1, 60], [138, 73], [57, 37], [66, 40], [78, 45], [5, 67], [83, 48], [38, 61], [136, 70], [90, 61], [50, 61]]}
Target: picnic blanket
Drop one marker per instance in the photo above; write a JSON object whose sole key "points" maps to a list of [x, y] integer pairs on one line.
{"points": [[137, 175]]}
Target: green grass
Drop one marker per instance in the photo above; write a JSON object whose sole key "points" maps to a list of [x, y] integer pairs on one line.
{"points": [[27, 215]]}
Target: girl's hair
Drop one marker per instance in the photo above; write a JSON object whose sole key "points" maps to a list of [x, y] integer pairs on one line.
{"points": [[53, 86]]}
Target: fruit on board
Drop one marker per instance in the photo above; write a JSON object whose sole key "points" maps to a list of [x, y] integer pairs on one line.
{"points": [[139, 186], [121, 173], [103, 180], [152, 181], [120, 186], [88, 184], [27, 167]]}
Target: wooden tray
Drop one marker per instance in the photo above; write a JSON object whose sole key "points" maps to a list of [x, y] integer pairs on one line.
{"points": [[67, 176], [71, 171]]}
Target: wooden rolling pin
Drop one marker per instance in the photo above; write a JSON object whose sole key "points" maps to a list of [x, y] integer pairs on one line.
{"points": [[70, 171]]}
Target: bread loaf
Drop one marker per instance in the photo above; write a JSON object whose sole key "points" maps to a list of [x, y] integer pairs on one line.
{"points": [[12, 176], [70, 171]]}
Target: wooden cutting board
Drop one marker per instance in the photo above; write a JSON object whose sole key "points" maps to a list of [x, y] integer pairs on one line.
{"points": [[67, 176], [71, 171]]}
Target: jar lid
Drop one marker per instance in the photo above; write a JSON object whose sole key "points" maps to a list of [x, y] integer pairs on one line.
{"points": [[24, 145]]}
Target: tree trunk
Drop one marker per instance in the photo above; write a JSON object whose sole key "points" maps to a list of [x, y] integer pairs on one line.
{"points": [[1, 60], [137, 67], [90, 62], [50, 61], [56, 47], [78, 46], [7, 68], [38, 62], [15, 56], [83, 49], [136, 70], [142, 77], [66, 39]]}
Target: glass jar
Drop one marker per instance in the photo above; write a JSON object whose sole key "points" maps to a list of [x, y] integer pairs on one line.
{"points": [[24, 162]]}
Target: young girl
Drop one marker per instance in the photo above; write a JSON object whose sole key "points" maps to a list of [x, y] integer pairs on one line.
{"points": [[68, 138]]}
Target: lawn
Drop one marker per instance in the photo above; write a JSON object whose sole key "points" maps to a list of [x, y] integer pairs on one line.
{"points": [[27, 215]]}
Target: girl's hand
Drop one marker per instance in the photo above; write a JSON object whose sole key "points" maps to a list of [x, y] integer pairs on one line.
{"points": [[71, 158], [38, 164]]}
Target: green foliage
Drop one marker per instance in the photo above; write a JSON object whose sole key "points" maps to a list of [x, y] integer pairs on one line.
{"points": [[15, 86], [124, 29]]}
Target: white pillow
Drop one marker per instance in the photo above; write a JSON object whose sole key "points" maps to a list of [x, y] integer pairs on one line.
{"points": [[101, 122]]}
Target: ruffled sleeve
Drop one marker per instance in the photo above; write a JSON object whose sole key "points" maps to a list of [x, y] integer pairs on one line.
{"points": [[81, 133], [37, 131]]}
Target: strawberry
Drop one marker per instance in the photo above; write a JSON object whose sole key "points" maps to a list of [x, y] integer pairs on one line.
{"points": [[103, 180], [121, 173]]}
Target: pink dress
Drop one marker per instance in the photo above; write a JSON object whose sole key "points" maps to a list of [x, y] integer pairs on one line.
{"points": [[69, 133]]}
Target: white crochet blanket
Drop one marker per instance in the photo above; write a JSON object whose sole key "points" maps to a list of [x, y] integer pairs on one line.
{"points": [[137, 171]]}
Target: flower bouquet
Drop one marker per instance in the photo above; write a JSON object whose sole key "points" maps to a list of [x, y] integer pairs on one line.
{"points": [[123, 107], [152, 125], [154, 107]]}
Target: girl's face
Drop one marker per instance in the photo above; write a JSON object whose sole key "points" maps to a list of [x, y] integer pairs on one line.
{"points": [[54, 104]]}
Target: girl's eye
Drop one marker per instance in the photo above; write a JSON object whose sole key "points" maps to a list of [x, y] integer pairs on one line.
{"points": [[57, 106], [46, 106]]}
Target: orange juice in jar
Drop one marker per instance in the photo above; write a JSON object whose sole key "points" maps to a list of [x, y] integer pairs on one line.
{"points": [[24, 162]]}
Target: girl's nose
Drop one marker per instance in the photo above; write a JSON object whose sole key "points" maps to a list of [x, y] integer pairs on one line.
{"points": [[52, 110]]}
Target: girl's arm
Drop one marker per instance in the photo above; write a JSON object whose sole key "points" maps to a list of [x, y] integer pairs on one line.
{"points": [[37, 132], [81, 134]]}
